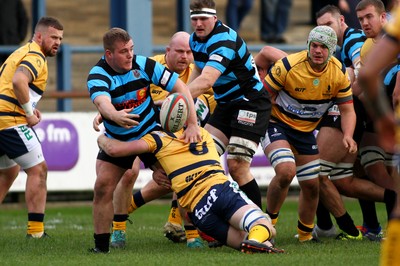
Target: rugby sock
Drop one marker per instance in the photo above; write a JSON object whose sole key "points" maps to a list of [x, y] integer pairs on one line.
{"points": [[346, 224], [370, 218], [174, 214], [132, 207], [137, 202], [324, 220], [390, 254], [259, 233], [304, 231], [102, 241], [119, 222], [273, 216], [390, 200], [35, 224], [252, 191], [191, 232]]}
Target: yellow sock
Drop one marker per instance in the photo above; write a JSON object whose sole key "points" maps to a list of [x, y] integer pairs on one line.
{"points": [[304, 231], [119, 226], [191, 232], [391, 245], [35, 228], [274, 217], [259, 233], [132, 206], [175, 216]]}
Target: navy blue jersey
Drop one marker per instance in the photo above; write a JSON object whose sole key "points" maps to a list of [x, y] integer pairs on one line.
{"points": [[225, 51], [131, 89], [353, 40]]}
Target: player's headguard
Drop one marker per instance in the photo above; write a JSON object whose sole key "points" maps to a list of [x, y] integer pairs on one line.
{"points": [[325, 35]]}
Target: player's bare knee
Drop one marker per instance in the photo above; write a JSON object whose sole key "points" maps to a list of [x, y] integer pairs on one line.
{"points": [[38, 171], [287, 170], [324, 182], [310, 188], [345, 186], [129, 177], [238, 167]]}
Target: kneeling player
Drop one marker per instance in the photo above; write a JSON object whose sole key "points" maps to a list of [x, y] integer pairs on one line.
{"points": [[216, 205]]}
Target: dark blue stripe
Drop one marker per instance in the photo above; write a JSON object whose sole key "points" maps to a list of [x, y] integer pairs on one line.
{"points": [[286, 64], [9, 99], [158, 141], [191, 167], [39, 54], [10, 114], [31, 67], [101, 77], [35, 89]]}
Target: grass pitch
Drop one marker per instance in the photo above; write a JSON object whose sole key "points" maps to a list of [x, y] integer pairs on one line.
{"points": [[71, 229]]}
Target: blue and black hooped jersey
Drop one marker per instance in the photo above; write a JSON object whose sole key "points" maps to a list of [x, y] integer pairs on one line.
{"points": [[353, 40], [131, 89], [389, 78], [225, 51]]}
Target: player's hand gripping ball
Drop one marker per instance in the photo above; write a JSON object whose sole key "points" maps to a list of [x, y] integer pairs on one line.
{"points": [[174, 112]]}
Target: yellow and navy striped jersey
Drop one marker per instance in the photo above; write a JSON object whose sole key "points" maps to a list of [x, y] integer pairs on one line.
{"points": [[31, 57], [205, 105], [304, 95], [392, 28], [192, 167], [388, 74], [367, 46]]}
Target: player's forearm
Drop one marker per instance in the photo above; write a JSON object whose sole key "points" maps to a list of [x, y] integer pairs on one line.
{"points": [[199, 86], [105, 108], [112, 147], [348, 119], [21, 88]]}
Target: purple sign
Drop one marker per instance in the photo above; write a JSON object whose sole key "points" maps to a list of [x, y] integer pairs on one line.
{"points": [[60, 143], [260, 160]]}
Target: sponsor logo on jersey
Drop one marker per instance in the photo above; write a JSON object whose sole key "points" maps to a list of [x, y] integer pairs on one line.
{"points": [[300, 89], [328, 92], [136, 73], [216, 57], [212, 197], [247, 118], [140, 98], [165, 77], [278, 71], [189, 178]]}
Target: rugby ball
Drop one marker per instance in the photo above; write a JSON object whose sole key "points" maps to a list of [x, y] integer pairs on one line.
{"points": [[174, 112]]}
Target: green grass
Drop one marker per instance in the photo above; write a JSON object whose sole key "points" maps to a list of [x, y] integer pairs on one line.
{"points": [[71, 230]]}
